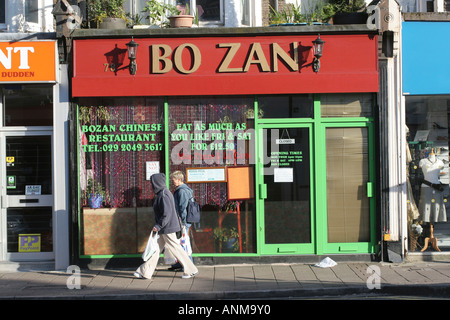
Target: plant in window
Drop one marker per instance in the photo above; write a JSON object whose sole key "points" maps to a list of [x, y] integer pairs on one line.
{"points": [[182, 20], [94, 194], [227, 238], [99, 10], [158, 12]]}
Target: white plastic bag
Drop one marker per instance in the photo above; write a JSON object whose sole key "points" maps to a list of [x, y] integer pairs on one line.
{"points": [[151, 247], [169, 257], [186, 242], [326, 263]]}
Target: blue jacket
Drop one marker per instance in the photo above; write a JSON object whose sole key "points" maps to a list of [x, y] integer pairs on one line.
{"points": [[182, 195], [166, 218]]}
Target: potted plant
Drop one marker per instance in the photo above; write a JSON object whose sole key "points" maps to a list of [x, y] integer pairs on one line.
{"points": [[346, 11], [95, 194], [179, 20], [227, 238], [107, 14], [158, 12]]}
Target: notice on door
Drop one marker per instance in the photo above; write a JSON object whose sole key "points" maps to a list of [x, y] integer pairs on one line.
{"points": [[32, 190], [283, 174]]}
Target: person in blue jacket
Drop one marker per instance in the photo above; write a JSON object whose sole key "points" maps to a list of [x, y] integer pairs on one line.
{"points": [[166, 224], [182, 195]]}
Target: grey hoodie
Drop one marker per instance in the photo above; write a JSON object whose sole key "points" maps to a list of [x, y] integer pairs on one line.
{"points": [[166, 217]]}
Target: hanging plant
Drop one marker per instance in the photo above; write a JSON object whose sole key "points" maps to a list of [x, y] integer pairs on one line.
{"points": [[90, 114]]}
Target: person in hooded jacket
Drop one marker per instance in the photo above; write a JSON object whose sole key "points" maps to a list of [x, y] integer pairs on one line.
{"points": [[166, 224]]}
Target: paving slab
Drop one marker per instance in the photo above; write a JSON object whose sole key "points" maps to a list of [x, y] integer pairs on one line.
{"points": [[239, 281]]}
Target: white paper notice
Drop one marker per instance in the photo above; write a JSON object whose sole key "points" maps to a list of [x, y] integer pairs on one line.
{"points": [[152, 167], [283, 174]]}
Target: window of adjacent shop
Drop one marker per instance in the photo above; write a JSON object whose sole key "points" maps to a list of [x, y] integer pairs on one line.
{"points": [[27, 105], [428, 123], [120, 144], [27, 180]]}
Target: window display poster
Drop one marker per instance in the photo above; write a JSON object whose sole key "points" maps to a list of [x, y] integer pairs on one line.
{"points": [[151, 167], [29, 242]]}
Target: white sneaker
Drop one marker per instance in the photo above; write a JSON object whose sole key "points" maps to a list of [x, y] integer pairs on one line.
{"points": [[187, 276], [138, 275]]}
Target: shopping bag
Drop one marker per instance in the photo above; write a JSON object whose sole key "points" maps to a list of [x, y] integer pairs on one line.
{"points": [[169, 257], [151, 247], [186, 242]]}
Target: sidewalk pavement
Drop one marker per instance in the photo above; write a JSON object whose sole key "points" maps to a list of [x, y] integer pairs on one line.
{"points": [[239, 281]]}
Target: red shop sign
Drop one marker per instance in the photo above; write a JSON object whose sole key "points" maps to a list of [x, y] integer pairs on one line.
{"points": [[225, 66]]}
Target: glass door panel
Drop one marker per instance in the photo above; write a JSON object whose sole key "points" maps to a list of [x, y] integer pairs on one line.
{"points": [[27, 196], [287, 179]]}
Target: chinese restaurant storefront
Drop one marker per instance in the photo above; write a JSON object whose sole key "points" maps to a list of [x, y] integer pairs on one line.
{"points": [[281, 158], [33, 213]]}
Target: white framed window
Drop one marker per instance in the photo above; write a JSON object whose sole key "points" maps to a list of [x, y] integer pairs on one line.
{"points": [[2, 14], [135, 7], [246, 12], [28, 15], [207, 11]]}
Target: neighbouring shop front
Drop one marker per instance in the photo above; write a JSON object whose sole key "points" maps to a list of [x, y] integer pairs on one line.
{"points": [[33, 214], [281, 158], [427, 103]]}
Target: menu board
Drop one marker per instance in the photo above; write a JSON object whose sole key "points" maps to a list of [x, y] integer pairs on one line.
{"points": [[199, 175]]}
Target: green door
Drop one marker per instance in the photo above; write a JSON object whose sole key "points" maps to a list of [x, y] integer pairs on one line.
{"points": [[285, 189], [347, 212]]}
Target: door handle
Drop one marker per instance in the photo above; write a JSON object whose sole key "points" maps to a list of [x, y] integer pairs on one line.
{"points": [[369, 190], [263, 191]]}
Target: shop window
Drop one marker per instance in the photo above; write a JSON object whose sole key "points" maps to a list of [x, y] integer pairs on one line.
{"points": [[209, 137], [428, 123], [28, 105], [285, 106], [347, 105], [120, 146]]}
